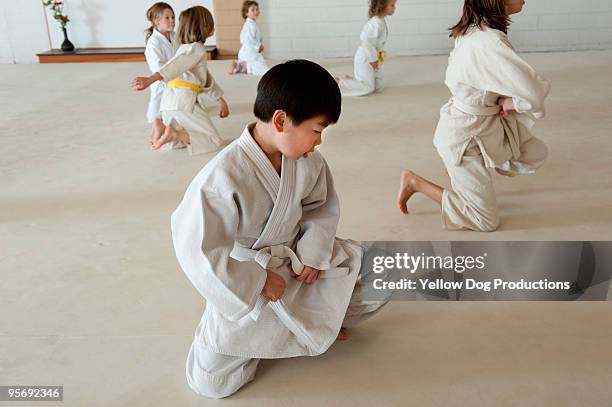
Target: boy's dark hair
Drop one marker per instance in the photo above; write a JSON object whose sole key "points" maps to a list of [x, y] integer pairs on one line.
{"points": [[302, 89], [246, 6]]}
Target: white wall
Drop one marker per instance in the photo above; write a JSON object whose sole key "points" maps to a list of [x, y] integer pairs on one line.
{"points": [[114, 23], [328, 28], [306, 28], [93, 24], [23, 30]]}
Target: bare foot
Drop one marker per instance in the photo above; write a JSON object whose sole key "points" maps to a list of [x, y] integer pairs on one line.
{"points": [[231, 69], [168, 136], [408, 186], [343, 335], [156, 131], [347, 77], [337, 79]]}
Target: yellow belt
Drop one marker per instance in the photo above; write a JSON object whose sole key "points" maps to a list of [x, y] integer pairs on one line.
{"points": [[179, 83], [381, 57]]}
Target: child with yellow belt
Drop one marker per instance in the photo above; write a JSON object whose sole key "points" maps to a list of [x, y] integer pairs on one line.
{"points": [[183, 108], [370, 55]]}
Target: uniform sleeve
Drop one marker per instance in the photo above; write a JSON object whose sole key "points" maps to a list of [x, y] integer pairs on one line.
{"points": [[320, 216], [204, 227], [154, 56], [184, 60], [249, 38], [506, 73], [369, 38], [212, 88]]}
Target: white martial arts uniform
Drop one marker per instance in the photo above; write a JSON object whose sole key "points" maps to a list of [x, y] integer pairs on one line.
{"points": [[251, 42], [158, 52], [367, 79], [471, 138], [239, 218], [183, 107]]}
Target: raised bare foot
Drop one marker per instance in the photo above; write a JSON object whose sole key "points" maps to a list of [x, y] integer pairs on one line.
{"points": [[337, 79], [168, 136], [156, 131], [343, 335], [231, 69], [408, 186]]}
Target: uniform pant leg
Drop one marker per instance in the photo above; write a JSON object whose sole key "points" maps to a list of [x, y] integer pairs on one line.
{"points": [[471, 202], [363, 306], [258, 66], [203, 135], [214, 375], [364, 81]]}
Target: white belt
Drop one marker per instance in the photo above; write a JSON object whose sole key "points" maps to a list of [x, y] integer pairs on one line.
{"points": [[475, 110], [273, 257]]}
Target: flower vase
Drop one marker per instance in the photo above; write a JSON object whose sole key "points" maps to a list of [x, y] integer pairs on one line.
{"points": [[67, 46]]}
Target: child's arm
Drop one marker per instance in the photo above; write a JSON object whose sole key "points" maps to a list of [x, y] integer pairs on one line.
{"points": [[504, 72], [320, 216], [214, 91], [369, 37], [182, 62], [143, 82], [204, 229], [185, 59], [248, 38]]}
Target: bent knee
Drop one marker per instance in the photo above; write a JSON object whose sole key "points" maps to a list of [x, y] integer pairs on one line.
{"points": [[489, 223], [214, 387]]}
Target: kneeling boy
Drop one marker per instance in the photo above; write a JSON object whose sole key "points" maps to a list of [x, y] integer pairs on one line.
{"points": [[255, 234]]}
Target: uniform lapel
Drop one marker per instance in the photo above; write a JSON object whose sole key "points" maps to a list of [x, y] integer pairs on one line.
{"points": [[279, 188]]}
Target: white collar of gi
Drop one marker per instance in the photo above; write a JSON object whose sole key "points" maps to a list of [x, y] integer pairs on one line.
{"points": [[162, 36], [255, 153]]}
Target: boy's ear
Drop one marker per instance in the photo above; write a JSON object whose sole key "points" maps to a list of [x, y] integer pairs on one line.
{"points": [[278, 119]]}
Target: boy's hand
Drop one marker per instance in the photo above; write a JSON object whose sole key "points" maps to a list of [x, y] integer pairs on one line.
{"points": [[507, 106], [274, 287], [223, 108], [309, 274], [374, 64]]}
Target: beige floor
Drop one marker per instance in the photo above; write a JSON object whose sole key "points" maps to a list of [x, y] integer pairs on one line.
{"points": [[93, 299]]}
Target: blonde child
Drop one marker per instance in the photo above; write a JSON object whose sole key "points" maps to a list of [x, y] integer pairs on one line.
{"points": [[183, 105], [496, 96], [161, 47], [370, 55], [250, 58]]}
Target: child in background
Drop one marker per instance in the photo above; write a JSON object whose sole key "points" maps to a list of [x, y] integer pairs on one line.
{"points": [[255, 234], [183, 105], [370, 55], [161, 47], [250, 58], [496, 96]]}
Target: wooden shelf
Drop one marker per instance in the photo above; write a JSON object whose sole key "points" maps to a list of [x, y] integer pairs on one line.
{"points": [[135, 54]]}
